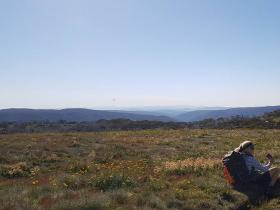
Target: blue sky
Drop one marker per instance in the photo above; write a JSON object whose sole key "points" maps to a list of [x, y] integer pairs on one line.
{"points": [[87, 53]]}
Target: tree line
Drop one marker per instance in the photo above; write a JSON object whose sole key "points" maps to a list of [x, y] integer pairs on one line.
{"points": [[267, 121]]}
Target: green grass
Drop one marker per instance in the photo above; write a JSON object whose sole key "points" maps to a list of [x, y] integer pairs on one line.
{"points": [[151, 169]]}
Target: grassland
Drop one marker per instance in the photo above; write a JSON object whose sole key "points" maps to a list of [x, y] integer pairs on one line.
{"points": [[151, 169]]}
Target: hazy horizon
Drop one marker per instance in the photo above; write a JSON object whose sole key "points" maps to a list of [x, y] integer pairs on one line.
{"points": [[143, 108], [88, 53]]}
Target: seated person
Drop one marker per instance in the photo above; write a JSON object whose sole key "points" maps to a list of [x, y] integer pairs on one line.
{"points": [[264, 174]]}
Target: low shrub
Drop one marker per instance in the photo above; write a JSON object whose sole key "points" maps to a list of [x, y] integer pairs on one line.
{"points": [[150, 200], [73, 182], [157, 185], [111, 181], [80, 167], [120, 196], [20, 169]]}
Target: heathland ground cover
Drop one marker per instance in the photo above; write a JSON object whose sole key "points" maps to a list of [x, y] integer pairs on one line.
{"points": [[149, 169]]}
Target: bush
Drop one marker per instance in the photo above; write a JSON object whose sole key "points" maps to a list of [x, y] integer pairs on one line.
{"points": [[73, 182], [16, 170], [111, 181], [80, 167], [120, 196], [158, 185], [151, 200]]}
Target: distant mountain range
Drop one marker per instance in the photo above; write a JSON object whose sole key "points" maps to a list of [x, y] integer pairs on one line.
{"points": [[164, 115], [77, 115], [169, 111], [215, 114]]}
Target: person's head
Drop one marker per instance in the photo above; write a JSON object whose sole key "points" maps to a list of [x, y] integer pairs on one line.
{"points": [[247, 147]]}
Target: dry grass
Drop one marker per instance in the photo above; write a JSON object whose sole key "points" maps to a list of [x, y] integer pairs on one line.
{"points": [[152, 169], [191, 165]]}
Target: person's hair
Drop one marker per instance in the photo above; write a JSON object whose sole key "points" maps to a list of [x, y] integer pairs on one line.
{"points": [[244, 145]]}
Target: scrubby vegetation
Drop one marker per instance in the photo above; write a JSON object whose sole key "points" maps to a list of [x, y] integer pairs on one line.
{"points": [[268, 121], [148, 169]]}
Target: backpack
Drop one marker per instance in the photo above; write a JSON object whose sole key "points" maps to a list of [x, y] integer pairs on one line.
{"points": [[235, 169]]}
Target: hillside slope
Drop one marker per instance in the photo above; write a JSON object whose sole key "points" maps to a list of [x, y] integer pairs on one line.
{"points": [[215, 114], [77, 115]]}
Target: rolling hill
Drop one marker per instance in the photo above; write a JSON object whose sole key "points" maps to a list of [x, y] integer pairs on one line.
{"points": [[77, 115], [89, 115], [215, 114]]}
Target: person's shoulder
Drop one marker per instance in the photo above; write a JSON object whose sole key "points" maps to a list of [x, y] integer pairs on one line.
{"points": [[246, 156]]}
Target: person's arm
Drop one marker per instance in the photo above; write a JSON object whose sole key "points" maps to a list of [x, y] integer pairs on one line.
{"points": [[270, 161], [253, 163], [268, 165]]}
